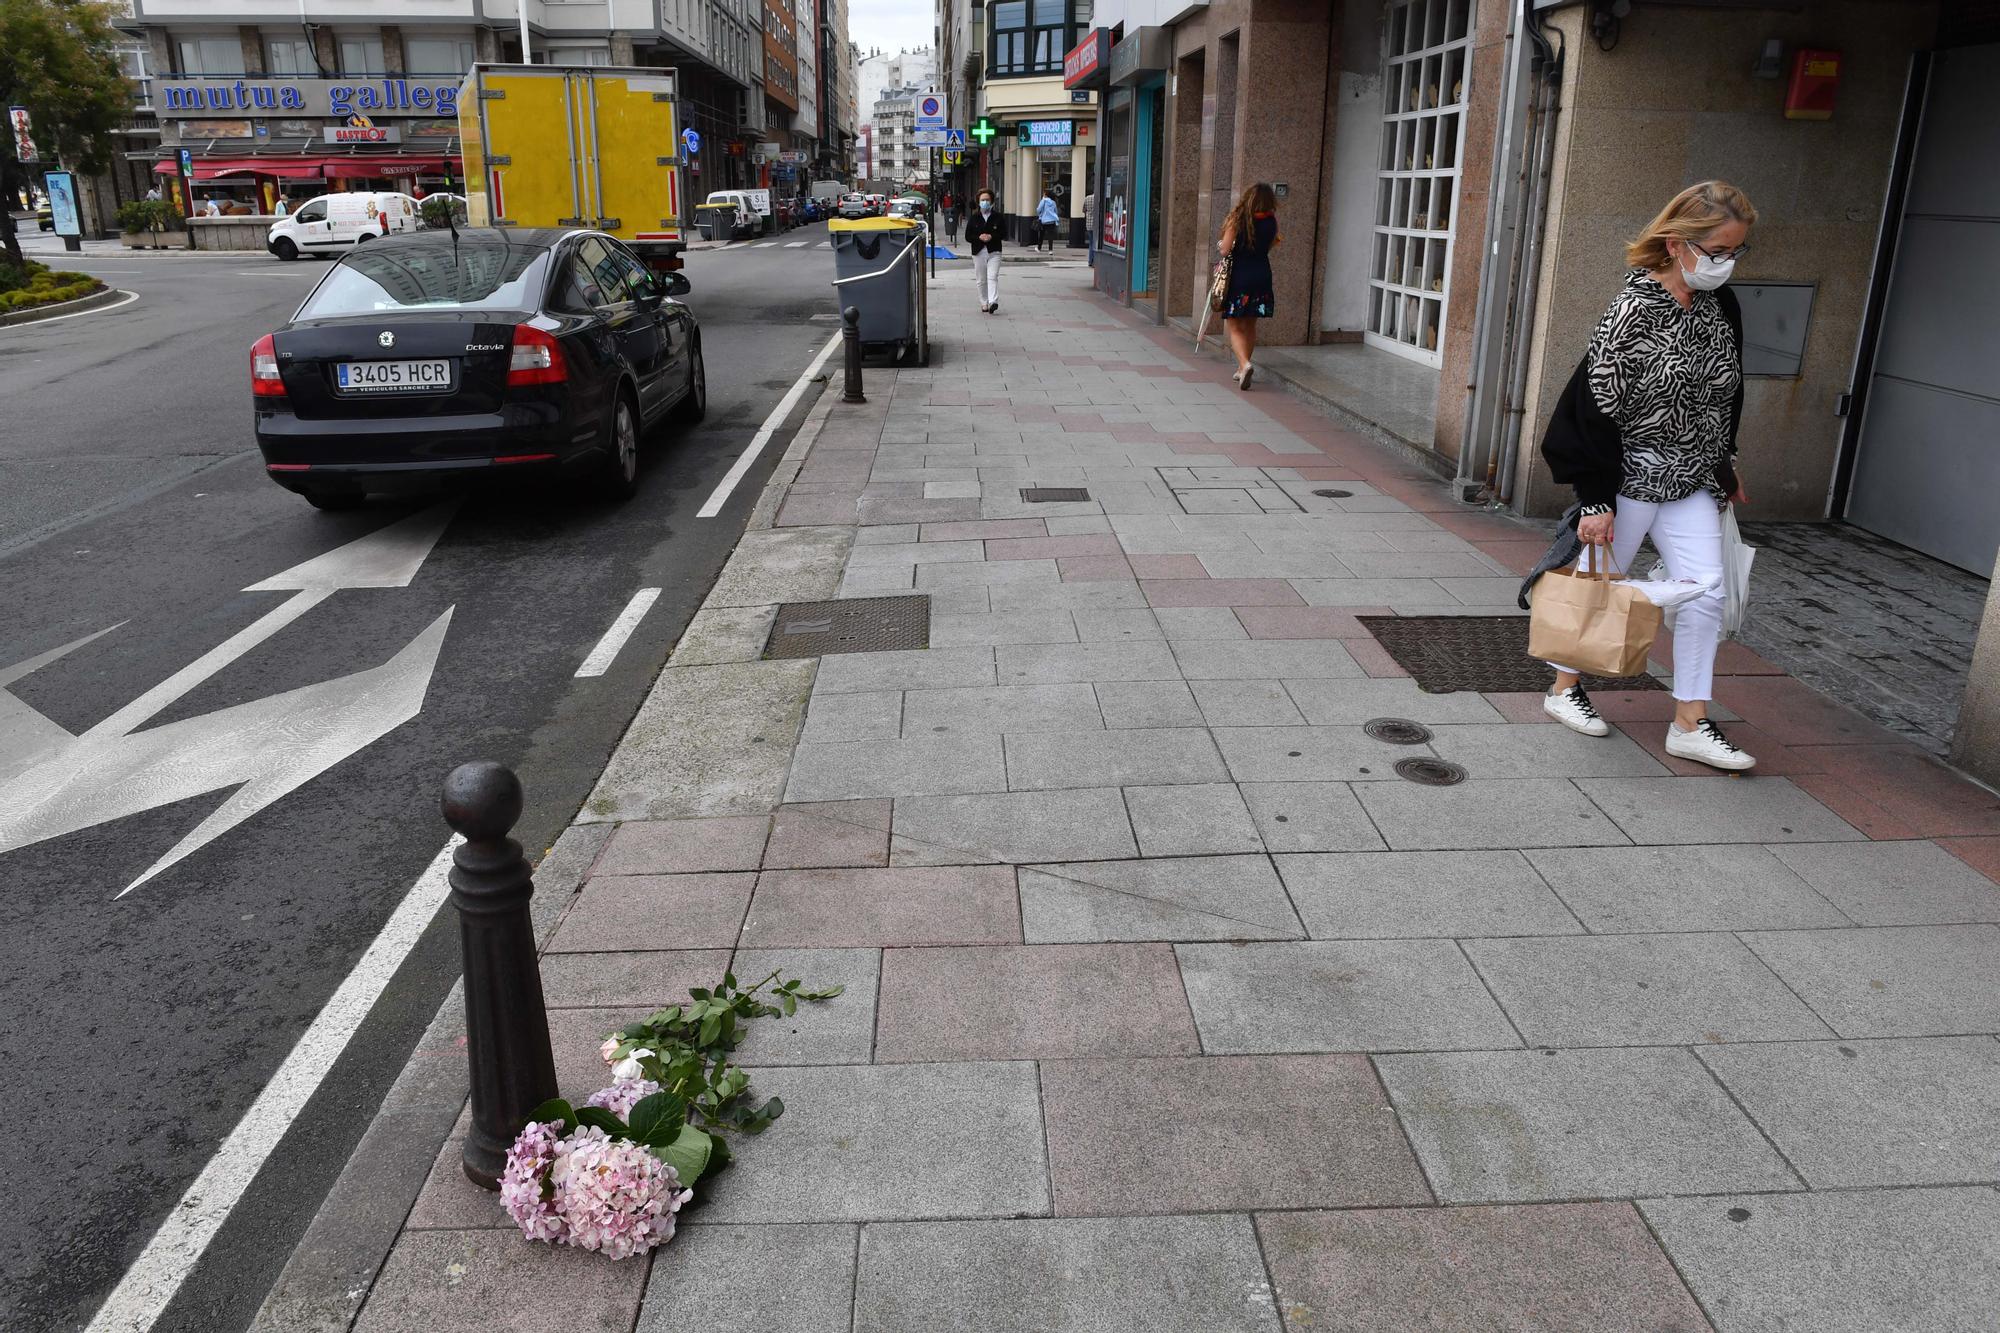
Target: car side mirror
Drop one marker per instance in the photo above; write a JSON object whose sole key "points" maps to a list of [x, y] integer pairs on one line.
{"points": [[675, 284]]}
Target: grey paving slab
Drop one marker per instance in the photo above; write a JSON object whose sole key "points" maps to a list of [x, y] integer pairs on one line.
{"points": [[1048, 1001], [914, 669], [840, 1031], [867, 1142], [1310, 817], [1352, 702], [1056, 664], [1203, 819], [1528, 812], [621, 912], [1404, 895], [1161, 898], [450, 1202], [1640, 990], [1677, 810], [1895, 883], [783, 565], [881, 581], [1909, 1111], [1107, 626], [1001, 708], [1080, 599], [684, 846], [1265, 659], [574, 1038], [1522, 1126], [753, 1279], [495, 1280], [883, 906], [1245, 703], [867, 715], [1892, 981], [1182, 1136], [1199, 622], [921, 766], [876, 555], [1074, 824], [1133, 757], [1349, 995], [1375, 592], [625, 978], [724, 634], [1147, 703], [1532, 1268], [1002, 627], [1730, 887], [708, 740], [1103, 1275], [1039, 573], [1505, 750], [829, 833], [1842, 1262], [1309, 754]]}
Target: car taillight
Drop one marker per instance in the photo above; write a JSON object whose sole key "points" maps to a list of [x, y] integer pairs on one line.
{"points": [[537, 358], [265, 382]]}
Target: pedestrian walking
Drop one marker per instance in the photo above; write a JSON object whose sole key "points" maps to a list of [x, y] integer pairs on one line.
{"points": [[1249, 234], [985, 228], [1046, 218], [1646, 433]]}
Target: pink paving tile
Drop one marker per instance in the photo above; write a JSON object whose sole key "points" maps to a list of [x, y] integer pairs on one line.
{"points": [[1733, 659], [1853, 807], [1128, 432], [1168, 566], [1424, 497], [1220, 592], [1480, 528], [1328, 474], [1773, 760], [1044, 548], [1520, 707], [1092, 568], [982, 529], [1982, 854], [1517, 556], [1797, 714], [1302, 622], [1373, 657], [1904, 792]]}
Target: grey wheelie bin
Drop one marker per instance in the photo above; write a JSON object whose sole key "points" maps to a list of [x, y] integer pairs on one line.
{"points": [[879, 269]]}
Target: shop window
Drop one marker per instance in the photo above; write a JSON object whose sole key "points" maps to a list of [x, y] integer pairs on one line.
{"points": [[362, 56], [210, 56], [289, 58]]}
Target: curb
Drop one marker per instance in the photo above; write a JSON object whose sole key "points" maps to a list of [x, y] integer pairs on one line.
{"points": [[75, 307]]}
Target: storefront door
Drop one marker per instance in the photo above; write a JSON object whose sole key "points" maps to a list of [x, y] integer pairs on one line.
{"points": [[1146, 234], [1928, 463]]}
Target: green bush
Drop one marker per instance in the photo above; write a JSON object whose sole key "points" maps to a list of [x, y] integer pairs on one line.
{"points": [[32, 284], [141, 215]]}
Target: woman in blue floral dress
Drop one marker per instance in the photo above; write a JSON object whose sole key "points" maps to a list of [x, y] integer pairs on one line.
{"points": [[1248, 236]]}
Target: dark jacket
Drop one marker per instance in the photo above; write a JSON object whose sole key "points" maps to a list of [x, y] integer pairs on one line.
{"points": [[1582, 443], [976, 225]]}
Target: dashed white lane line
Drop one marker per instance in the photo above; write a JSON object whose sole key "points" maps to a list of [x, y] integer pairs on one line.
{"points": [[720, 496], [797, 245], [607, 648], [150, 1283]]}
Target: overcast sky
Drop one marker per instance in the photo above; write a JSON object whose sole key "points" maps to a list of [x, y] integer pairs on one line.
{"points": [[890, 24]]}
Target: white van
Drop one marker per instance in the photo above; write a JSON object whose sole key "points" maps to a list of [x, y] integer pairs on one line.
{"points": [[750, 219], [334, 223]]}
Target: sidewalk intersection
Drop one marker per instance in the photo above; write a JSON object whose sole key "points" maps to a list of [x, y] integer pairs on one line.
{"points": [[1169, 1005]]}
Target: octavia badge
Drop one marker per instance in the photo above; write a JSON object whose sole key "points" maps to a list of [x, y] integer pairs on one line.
{"points": [[386, 338]]}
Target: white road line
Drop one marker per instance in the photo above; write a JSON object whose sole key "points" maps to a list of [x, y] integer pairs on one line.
{"points": [[800, 245], [606, 651], [150, 1283], [130, 297], [715, 501]]}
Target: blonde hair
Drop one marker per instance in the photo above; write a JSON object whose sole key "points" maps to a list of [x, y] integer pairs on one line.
{"points": [[1689, 216], [1255, 199]]}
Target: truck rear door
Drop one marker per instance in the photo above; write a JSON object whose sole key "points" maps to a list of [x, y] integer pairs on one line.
{"points": [[528, 126], [634, 147]]}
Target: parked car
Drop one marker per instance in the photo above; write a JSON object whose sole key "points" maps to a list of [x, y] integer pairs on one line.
{"points": [[855, 206], [334, 223], [45, 218], [425, 359]]}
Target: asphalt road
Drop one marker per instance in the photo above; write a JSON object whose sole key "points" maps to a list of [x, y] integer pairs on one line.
{"points": [[138, 1028]]}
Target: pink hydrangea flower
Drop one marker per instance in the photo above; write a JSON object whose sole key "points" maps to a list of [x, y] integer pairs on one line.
{"points": [[608, 1052], [524, 1186], [623, 1095], [614, 1197]]}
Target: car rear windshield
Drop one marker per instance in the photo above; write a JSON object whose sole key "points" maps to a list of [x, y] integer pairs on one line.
{"points": [[431, 277]]}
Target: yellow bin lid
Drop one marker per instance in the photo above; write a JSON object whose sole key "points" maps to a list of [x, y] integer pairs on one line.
{"points": [[871, 224]]}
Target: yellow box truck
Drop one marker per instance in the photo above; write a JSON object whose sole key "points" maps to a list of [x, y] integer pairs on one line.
{"points": [[576, 146]]}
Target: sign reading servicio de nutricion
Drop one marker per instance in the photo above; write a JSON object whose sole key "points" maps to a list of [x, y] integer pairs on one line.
{"points": [[181, 98]]}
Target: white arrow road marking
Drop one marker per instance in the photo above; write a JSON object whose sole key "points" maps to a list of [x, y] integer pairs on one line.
{"points": [[55, 783]]}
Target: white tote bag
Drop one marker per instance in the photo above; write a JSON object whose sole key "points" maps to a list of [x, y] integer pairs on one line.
{"points": [[1737, 557]]}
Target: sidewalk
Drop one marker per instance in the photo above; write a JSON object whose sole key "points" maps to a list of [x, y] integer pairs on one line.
{"points": [[1170, 1005]]}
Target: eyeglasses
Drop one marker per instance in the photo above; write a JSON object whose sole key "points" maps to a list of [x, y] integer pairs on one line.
{"points": [[1719, 256]]}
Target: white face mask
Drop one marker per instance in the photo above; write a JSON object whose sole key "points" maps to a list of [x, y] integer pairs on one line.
{"points": [[986, 205], [1708, 273]]}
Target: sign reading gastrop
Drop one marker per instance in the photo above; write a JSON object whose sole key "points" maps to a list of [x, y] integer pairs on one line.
{"points": [[313, 97]]}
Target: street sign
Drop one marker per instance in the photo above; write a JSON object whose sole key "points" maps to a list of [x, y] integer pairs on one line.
{"points": [[930, 112], [691, 141], [984, 131], [187, 163], [931, 138], [954, 138], [954, 159], [1046, 133], [23, 137]]}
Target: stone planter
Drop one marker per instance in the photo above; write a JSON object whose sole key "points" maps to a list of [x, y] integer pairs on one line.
{"points": [[144, 240]]}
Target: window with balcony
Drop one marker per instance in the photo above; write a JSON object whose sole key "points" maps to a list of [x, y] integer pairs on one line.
{"points": [[210, 56], [132, 64], [289, 58], [437, 55], [362, 56], [1031, 36]]}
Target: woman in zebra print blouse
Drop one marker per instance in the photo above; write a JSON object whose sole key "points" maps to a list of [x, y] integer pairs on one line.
{"points": [[1646, 432]]}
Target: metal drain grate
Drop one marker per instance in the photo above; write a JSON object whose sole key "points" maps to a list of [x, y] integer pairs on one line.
{"points": [[850, 625], [1049, 494], [1484, 653], [1348, 495], [1397, 731], [1429, 772]]}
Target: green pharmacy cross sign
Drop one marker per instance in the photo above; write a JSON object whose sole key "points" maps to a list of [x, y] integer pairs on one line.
{"points": [[985, 131]]}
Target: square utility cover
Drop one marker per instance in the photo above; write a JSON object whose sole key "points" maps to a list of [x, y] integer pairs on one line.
{"points": [[850, 625], [1484, 653]]}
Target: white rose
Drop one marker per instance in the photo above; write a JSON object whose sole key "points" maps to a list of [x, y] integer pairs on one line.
{"points": [[629, 1067]]}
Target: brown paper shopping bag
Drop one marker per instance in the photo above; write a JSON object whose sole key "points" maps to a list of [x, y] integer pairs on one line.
{"points": [[1591, 620]]}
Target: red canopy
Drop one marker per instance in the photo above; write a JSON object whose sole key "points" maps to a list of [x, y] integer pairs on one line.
{"points": [[311, 168]]}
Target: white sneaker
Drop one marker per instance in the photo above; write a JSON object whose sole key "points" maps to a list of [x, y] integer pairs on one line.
{"points": [[1706, 745], [1574, 710]]}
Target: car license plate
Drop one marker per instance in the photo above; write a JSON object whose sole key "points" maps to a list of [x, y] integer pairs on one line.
{"points": [[394, 376]]}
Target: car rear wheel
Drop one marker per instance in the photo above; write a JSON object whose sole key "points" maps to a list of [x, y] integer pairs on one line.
{"points": [[620, 478], [286, 250], [693, 405], [333, 501]]}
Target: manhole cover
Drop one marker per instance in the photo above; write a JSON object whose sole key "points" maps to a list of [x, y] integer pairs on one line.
{"points": [[1345, 495], [1397, 731], [850, 625], [1429, 772], [1048, 494], [1484, 653]]}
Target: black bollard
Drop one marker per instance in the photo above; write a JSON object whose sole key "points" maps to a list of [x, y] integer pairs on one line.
{"points": [[850, 389], [506, 1026]]}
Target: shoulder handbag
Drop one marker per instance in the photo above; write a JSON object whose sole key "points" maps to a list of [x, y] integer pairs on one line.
{"points": [[1218, 287]]}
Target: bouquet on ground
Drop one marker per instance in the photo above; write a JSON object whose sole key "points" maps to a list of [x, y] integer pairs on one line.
{"points": [[611, 1174]]}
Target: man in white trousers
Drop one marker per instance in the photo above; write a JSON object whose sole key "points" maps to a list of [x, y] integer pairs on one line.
{"points": [[985, 230]]}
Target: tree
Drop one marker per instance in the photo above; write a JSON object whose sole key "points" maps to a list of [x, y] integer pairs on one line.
{"points": [[58, 59]]}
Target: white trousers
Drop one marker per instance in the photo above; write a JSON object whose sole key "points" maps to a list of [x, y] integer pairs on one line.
{"points": [[1688, 536], [986, 276]]}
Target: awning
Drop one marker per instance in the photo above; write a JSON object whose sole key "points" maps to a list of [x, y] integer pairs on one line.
{"points": [[314, 168]]}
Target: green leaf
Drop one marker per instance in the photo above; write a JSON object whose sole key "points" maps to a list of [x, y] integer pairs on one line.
{"points": [[709, 1027], [555, 1109], [698, 993], [729, 981], [688, 1154], [599, 1118], [658, 1118], [791, 1005]]}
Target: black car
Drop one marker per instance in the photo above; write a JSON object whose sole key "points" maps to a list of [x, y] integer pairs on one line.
{"points": [[428, 357]]}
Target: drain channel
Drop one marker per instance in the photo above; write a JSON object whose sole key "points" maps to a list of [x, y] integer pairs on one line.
{"points": [[1430, 772], [1397, 731], [1052, 494]]}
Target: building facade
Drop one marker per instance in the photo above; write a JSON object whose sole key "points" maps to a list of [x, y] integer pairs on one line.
{"points": [[1029, 134]]}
